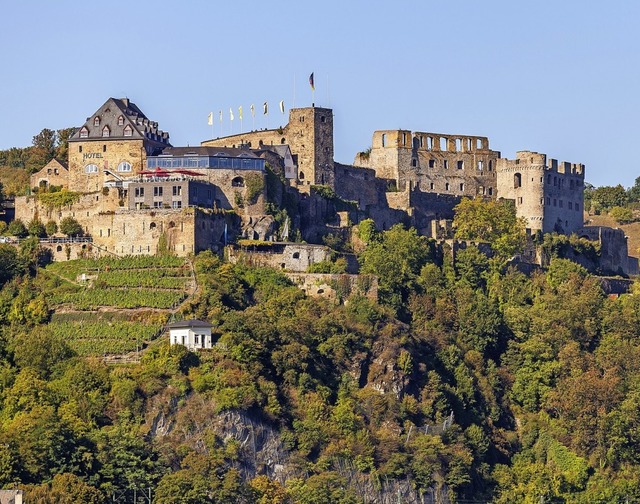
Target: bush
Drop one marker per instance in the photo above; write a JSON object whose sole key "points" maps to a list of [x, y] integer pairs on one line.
{"points": [[622, 215]]}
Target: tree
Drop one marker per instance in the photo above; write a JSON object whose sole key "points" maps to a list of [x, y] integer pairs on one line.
{"points": [[17, 228], [396, 259], [633, 193], [70, 227], [36, 228], [51, 228], [42, 151], [606, 197], [494, 222], [62, 146]]}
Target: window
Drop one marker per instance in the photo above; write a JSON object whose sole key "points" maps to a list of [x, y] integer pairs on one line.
{"points": [[520, 200], [157, 204], [128, 130], [91, 168], [177, 204], [491, 191], [548, 201], [120, 120], [124, 167], [443, 144], [517, 180], [432, 163], [560, 203], [105, 131], [461, 186], [431, 186], [577, 207], [570, 204], [196, 339], [157, 191], [139, 192], [445, 164], [446, 186], [460, 165], [96, 121], [490, 165], [414, 162], [177, 190], [480, 165], [384, 139]]}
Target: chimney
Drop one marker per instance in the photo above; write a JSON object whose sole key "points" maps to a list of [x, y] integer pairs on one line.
{"points": [[125, 101]]}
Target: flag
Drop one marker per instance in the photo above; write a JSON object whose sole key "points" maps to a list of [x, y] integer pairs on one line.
{"points": [[265, 108], [313, 87], [282, 106], [230, 113], [221, 117], [240, 112], [210, 119], [253, 110]]}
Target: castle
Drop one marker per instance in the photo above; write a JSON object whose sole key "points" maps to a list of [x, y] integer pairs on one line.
{"points": [[136, 193]]}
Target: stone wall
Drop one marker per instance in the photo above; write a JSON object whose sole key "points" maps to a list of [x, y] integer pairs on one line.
{"points": [[336, 287], [295, 257], [614, 252], [106, 155], [449, 164]]}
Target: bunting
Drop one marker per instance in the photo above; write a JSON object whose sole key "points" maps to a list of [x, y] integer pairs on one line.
{"points": [[210, 119], [311, 82], [282, 106], [265, 108], [230, 113]]}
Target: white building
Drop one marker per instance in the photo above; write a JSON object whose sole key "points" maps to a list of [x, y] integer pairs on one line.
{"points": [[194, 334]]}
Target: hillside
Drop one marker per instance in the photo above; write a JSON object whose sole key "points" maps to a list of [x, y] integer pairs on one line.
{"points": [[464, 382]]}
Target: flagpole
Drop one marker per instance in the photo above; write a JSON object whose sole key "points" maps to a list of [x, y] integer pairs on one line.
{"points": [[294, 90]]}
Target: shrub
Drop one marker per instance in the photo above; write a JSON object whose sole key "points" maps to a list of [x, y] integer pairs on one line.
{"points": [[17, 228], [51, 228], [622, 215]]}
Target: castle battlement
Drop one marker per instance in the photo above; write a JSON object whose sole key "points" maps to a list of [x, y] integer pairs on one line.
{"points": [[439, 142]]}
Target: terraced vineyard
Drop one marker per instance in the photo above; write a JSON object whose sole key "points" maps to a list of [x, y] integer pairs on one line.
{"points": [[130, 282], [93, 295], [106, 333]]}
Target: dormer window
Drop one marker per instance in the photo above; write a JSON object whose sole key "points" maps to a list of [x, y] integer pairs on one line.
{"points": [[120, 120], [105, 131], [84, 132], [96, 121], [128, 130]]}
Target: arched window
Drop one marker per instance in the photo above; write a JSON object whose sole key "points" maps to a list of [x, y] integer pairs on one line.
{"points": [[120, 120], [84, 132], [91, 168], [237, 182], [301, 175], [105, 131], [124, 167], [517, 180], [128, 130], [152, 225], [296, 255], [96, 121], [283, 141]]}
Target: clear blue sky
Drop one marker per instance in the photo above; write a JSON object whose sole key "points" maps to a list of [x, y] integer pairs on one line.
{"points": [[555, 76]]}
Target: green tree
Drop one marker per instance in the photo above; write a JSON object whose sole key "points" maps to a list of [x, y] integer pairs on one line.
{"points": [[396, 259], [606, 197], [51, 228], [494, 222], [62, 144], [70, 227], [17, 228], [36, 228]]}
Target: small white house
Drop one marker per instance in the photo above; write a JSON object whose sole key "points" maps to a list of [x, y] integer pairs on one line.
{"points": [[194, 334]]}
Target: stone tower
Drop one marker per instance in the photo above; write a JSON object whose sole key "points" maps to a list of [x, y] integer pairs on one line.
{"points": [[548, 194], [309, 134]]}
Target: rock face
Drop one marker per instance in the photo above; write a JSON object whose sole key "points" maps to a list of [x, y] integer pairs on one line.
{"points": [[260, 448]]}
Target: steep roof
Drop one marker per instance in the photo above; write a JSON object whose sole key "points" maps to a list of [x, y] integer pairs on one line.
{"points": [[120, 115]]}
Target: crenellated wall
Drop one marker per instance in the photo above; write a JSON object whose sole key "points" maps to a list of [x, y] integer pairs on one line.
{"points": [[549, 195]]}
